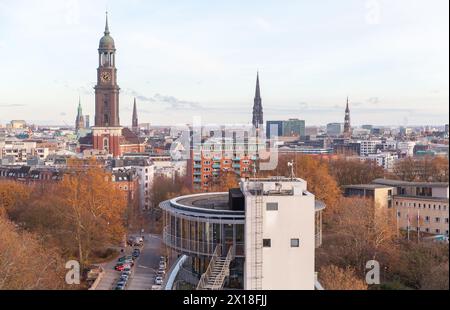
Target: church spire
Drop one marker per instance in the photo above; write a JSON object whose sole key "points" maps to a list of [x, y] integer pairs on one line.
{"points": [[79, 121], [257, 106], [135, 123], [106, 25], [347, 125], [257, 92]]}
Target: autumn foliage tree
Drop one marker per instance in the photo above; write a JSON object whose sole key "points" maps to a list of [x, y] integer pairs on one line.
{"points": [[348, 172], [427, 169], [335, 278], [25, 262], [226, 181], [359, 232], [80, 214], [91, 208], [316, 172]]}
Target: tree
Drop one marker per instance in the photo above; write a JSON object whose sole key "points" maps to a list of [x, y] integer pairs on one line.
{"points": [[91, 208], [225, 182], [336, 278], [11, 193], [425, 169], [359, 232], [315, 171], [82, 213], [348, 172], [26, 263]]}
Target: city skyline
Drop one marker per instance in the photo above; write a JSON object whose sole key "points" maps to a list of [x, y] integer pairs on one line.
{"points": [[182, 67]]}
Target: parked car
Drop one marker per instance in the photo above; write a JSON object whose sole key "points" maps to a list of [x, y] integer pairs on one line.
{"points": [[125, 258], [162, 265], [161, 273], [123, 267], [158, 280], [128, 272]]}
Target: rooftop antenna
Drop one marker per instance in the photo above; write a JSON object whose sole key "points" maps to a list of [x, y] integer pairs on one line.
{"points": [[291, 166]]}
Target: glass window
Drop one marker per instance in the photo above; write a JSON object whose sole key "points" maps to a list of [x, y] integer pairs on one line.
{"points": [[272, 206], [295, 243], [267, 243]]}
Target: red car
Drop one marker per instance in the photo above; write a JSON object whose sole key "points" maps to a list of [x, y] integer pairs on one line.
{"points": [[121, 267]]}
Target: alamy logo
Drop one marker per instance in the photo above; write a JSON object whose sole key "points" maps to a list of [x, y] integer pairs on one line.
{"points": [[373, 275], [73, 275]]}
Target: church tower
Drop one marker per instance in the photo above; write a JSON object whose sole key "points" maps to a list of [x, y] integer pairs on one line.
{"points": [[107, 130], [135, 122], [257, 107], [79, 122], [347, 125]]}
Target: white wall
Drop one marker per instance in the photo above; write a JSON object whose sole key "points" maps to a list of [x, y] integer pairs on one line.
{"points": [[284, 267]]}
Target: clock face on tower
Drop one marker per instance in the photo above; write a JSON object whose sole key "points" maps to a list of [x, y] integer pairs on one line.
{"points": [[106, 77]]}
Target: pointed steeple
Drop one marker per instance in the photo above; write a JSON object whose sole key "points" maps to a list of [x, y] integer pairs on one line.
{"points": [[135, 122], [257, 92], [347, 125], [106, 25], [79, 122], [257, 120]]}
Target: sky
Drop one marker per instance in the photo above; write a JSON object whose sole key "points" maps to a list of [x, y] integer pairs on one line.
{"points": [[183, 59]]}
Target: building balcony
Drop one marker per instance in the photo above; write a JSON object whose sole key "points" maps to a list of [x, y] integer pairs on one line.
{"points": [[197, 180], [237, 159], [197, 166], [216, 166], [197, 173], [237, 166]]}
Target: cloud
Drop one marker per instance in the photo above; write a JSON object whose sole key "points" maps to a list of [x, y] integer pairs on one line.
{"points": [[303, 105], [11, 105], [374, 100], [170, 102]]}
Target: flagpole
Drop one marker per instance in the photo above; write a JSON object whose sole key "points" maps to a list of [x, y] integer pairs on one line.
{"points": [[418, 225], [408, 225]]}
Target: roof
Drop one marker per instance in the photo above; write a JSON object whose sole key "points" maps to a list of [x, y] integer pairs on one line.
{"points": [[422, 198], [405, 183], [86, 140], [129, 137], [217, 201], [367, 186]]}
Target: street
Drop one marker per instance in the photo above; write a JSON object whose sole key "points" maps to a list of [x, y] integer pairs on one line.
{"points": [[144, 270]]}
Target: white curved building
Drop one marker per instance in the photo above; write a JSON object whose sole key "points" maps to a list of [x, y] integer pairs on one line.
{"points": [[260, 236]]}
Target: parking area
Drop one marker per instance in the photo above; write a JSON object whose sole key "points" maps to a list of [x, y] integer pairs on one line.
{"points": [[143, 272]]}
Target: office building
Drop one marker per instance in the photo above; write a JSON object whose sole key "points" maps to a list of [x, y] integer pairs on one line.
{"points": [[234, 239]]}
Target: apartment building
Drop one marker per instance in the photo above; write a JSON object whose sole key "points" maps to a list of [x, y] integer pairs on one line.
{"points": [[368, 146], [209, 160], [19, 151], [386, 160], [145, 172]]}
